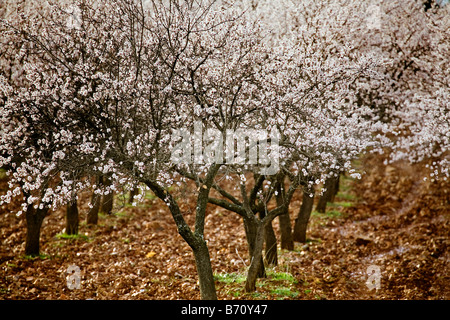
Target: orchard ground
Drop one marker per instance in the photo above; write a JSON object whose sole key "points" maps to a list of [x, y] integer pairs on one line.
{"points": [[391, 219]]}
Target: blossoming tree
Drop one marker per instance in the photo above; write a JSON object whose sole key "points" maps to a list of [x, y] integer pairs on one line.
{"points": [[110, 88], [98, 100], [107, 84]]}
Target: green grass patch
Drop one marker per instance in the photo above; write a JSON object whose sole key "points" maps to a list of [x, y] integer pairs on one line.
{"points": [[276, 283], [345, 198], [65, 236], [145, 202], [348, 196], [229, 278], [121, 214], [123, 199], [41, 256], [345, 183], [284, 292], [102, 215], [333, 213], [281, 276], [327, 214], [258, 295], [340, 204]]}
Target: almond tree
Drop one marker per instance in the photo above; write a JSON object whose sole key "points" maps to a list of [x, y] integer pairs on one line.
{"points": [[99, 100], [322, 127], [410, 91], [12, 58], [107, 84], [417, 41], [407, 87]]}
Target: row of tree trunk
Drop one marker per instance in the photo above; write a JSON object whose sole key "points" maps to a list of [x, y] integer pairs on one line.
{"points": [[298, 234], [259, 232], [98, 204], [35, 217]]}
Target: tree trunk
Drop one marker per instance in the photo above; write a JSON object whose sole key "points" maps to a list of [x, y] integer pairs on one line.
{"points": [[108, 199], [107, 204], [201, 254], [194, 239], [337, 181], [251, 230], [301, 223], [34, 218], [133, 193], [285, 221], [327, 195], [204, 271], [72, 218], [270, 255], [286, 231], [92, 215], [96, 202], [256, 260]]}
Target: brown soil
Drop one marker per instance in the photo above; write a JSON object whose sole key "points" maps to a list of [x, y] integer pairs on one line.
{"points": [[398, 223]]}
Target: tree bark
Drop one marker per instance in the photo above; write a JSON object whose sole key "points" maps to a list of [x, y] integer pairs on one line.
{"points": [[72, 218], [107, 204], [271, 254], [34, 218], [285, 222], [256, 259], [327, 195], [287, 241], [270, 239], [108, 199], [96, 201], [337, 181], [204, 271], [92, 215], [200, 250], [301, 223], [251, 227]]}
